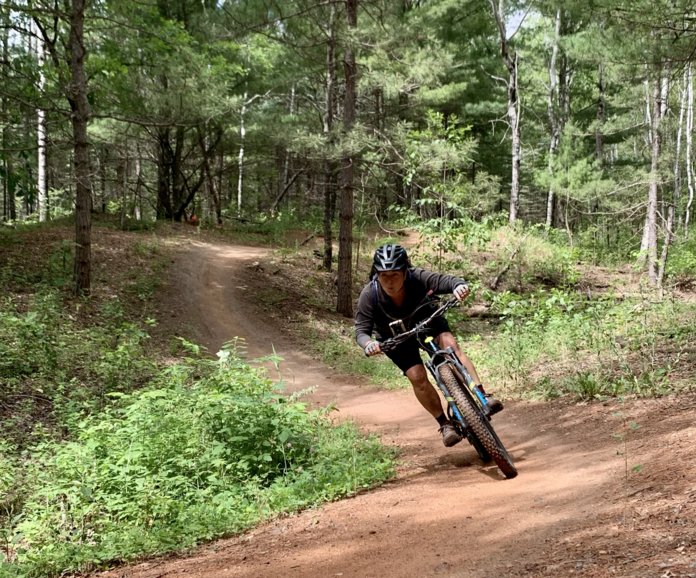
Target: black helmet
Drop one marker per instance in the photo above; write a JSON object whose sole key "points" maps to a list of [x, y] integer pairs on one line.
{"points": [[390, 257]]}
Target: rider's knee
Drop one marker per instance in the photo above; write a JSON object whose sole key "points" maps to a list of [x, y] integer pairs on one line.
{"points": [[447, 339], [418, 376]]}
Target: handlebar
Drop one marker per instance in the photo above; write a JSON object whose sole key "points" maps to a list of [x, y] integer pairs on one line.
{"points": [[393, 342]]}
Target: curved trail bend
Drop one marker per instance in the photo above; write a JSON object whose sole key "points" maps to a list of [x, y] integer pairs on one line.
{"points": [[446, 514]]}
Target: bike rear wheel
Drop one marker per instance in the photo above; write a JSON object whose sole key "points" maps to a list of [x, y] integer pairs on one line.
{"points": [[478, 424]]}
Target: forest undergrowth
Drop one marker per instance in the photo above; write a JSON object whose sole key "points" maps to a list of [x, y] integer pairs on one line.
{"points": [[120, 441]]}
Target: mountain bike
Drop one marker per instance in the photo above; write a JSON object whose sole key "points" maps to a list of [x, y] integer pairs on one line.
{"points": [[467, 406]]}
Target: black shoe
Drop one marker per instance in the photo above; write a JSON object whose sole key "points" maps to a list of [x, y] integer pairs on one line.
{"points": [[450, 437], [494, 405]]}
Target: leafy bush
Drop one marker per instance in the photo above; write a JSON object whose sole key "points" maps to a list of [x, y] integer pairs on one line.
{"points": [[534, 257], [682, 260], [279, 230], [55, 369], [209, 449]]}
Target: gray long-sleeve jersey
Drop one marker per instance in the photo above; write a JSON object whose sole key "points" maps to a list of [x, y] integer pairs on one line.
{"points": [[376, 309]]}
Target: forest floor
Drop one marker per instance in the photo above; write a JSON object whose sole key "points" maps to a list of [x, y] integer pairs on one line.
{"points": [[604, 489]]}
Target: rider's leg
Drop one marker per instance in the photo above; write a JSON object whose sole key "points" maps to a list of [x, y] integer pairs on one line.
{"points": [[430, 400], [425, 392], [447, 339]]}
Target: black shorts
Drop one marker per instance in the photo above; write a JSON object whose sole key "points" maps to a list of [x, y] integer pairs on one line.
{"points": [[406, 355]]}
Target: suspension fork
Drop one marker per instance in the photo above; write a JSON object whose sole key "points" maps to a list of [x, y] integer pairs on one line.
{"points": [[468, 380], [449, 356], [433, 368]]}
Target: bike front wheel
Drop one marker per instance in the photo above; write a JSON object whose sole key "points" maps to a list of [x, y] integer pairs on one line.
{"points": [[478, 424]]}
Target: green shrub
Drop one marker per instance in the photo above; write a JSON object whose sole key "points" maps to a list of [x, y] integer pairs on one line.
{"points": [[534, 257], [682, 259], [182, 461], [559, 342]]}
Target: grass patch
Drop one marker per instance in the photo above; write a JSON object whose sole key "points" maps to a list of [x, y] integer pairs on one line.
{"points": [[553, 343], [334, 343]]}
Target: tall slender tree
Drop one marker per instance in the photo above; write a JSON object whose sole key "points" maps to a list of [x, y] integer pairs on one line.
{"points": [[344, 303], [80, 113], [511, 61]]}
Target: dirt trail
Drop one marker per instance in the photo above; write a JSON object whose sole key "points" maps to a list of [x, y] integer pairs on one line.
{"points": [[576, 507]]}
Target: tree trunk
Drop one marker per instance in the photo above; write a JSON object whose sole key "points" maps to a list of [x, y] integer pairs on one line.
{"points": [[382, 193], [650, 231], [138, 200], [553, 110], [344, 303], [212, 184], [689, 131], [165, 163], [79, 106], [102, 160], [122, 184], [330, 170], [8, 208], [41, 138], [669, 226], [510, 58], [601, 117], [240, 161], [179, 185], [286, 185]]}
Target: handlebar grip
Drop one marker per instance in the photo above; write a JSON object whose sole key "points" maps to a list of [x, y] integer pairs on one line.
{"points": [[387, 345]]}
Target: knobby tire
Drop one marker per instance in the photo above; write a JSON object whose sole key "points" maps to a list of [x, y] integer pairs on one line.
{"points": [[478, 424], [480, 450]]}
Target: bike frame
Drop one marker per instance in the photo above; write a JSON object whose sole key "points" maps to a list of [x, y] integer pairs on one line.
{"points": [[438, 357]]}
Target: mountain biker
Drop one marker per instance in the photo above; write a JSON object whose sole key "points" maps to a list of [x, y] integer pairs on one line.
{"points": [[397, 290]]}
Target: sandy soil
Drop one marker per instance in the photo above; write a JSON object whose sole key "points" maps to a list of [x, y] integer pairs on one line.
{"points": [[596, 496]]}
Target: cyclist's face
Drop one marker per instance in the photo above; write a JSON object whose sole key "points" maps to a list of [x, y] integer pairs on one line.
{"points": [[392, 281]]}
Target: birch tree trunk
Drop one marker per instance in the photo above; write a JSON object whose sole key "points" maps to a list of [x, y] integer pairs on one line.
{"points": [[510, 58], [138, 200], [41, 136], [240, 162], [79, 105], [344, 302], [554, 120], [669, 226], [246, 102], [689, 133], [650, 232], [649, 103]]}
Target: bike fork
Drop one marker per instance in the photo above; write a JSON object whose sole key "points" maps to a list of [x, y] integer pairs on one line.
{"points": [[476, 389], [451, 405]]}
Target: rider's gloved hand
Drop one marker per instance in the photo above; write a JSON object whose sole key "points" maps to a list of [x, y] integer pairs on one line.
{"points": [[461, 291], [372, 348]]}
